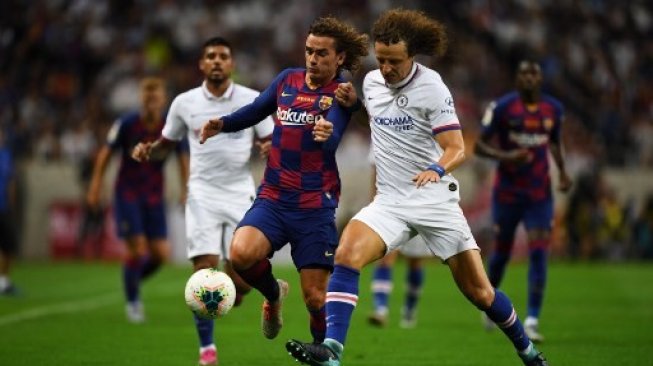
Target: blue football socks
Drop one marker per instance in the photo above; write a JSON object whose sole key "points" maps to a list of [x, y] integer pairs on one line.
{"points": [[503, 314], [342, 297]]}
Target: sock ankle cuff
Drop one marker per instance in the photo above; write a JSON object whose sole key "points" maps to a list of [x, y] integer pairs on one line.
{"points": [[346, 269]]}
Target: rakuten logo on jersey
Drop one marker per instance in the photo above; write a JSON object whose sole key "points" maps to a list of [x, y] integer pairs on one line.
{"points": [[528, 139], [292, 117], [402, 123]]}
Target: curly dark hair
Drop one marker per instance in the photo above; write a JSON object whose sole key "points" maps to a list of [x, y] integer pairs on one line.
{"points": [[422, 35], [347, 39]]}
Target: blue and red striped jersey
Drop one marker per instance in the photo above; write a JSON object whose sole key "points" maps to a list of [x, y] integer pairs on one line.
{"points": [[136, 180], [300, 172], [518, 125]]}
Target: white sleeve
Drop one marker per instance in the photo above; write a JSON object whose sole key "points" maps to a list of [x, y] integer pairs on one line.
{"points": [[442, 115], [175, 128], [264, 128]]}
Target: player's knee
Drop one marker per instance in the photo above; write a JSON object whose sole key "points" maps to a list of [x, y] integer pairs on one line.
{"points": [[351, 255], [481, 297], [204, 261], [314, 299], [346, 256], [241, 259], [160, 256]]}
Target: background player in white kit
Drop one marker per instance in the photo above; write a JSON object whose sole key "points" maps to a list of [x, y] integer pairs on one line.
{"points": [[417, 142], [220, 187]]}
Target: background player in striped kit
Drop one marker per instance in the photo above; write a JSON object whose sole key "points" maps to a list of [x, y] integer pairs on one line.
{"points": [[299, 193], [519, 129], [417, 142], [139, 207], [414, 251], [220, 186]]}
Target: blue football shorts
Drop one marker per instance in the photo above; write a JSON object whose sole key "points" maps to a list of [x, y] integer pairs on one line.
{"points": [[534, 214], [135, 217], [311, 233]]}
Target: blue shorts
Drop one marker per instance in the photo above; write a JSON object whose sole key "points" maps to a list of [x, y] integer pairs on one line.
{"points": [[138, 217], [312, 233], [535, 215]]}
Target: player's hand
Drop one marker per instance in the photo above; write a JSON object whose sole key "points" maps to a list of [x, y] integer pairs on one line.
{"points": [[141, 152], [346, 95], [519, 156], [565, 182], [210, 129], [427, 176], [264, 148], [322, 130]]}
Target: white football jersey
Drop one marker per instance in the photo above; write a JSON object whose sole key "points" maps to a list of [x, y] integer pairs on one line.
{"points": [[404, 119], [220, 167]]}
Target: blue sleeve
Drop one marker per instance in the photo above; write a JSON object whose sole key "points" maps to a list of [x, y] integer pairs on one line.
{"points": [[264, 105], [183, 146], [340, 119], [557, 122]]}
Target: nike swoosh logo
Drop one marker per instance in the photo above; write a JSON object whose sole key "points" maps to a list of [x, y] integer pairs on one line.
{"points": [[328, 254], [284, 94]]}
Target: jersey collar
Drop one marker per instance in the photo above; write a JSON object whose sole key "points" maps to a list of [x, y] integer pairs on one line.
{"points": [[406, 80], [227, 93]]}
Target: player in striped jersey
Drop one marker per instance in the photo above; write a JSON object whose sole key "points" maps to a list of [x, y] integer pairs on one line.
{"points": [[417, 142], [519, 130], [138, 202], [299, 193]]}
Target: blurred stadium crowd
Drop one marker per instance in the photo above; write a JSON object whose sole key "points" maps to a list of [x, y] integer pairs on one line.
{"points": [[68, 68]]}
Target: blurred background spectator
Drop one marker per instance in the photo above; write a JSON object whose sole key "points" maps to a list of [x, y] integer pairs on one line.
{"points": [[69, 68]]}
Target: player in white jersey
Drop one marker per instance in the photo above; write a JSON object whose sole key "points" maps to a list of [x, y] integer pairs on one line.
{"points": [[417, 142], [220, 186]]}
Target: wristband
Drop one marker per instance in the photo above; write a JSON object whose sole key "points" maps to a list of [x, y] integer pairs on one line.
{"points": [[437, 168]]}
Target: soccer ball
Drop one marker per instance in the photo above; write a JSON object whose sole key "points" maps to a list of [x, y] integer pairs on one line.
{"points": [[210, 293]]}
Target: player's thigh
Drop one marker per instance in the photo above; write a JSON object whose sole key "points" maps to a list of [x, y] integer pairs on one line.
{"points": [[467, 270], [373, 222], [128, 216], [444, 229], [261, 232], [538, 218], [313, 237], [359, 245], [506, 217], [155, 225]]}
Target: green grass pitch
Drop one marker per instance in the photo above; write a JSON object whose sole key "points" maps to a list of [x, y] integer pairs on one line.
{"points": [[73, 314]]}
